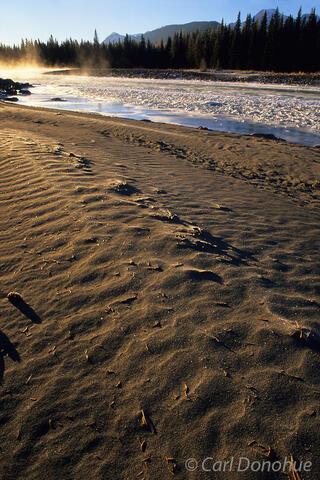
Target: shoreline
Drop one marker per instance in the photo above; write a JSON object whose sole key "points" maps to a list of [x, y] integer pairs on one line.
{"points": [[199, 123]]}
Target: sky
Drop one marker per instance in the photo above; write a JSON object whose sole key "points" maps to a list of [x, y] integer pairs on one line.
{"points": [[77, 19]]}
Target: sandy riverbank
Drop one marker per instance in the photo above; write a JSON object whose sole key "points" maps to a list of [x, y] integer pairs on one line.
{"points": [[173, 277]]}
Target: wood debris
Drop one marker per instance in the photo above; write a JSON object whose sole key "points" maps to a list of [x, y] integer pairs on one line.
{"points": [[144, 421], [51, 423], [294, 473], [172, 465], [251, 442], [186, 390], [142, 445]]}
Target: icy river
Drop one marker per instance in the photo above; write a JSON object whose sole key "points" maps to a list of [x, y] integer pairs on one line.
{"points": [[288, 112]]}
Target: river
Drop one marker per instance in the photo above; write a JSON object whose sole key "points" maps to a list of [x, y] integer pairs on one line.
{"points": [[289, 112]]}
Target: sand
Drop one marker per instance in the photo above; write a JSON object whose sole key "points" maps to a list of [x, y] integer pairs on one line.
{"points": [[169, 299]]}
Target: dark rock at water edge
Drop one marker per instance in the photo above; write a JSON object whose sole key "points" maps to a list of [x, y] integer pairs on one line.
{"points": [[10, 99], [268, 136], [57, 99], [9, 87]]}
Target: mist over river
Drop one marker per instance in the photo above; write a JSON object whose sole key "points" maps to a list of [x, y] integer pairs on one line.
{"points": [[286, 111]]}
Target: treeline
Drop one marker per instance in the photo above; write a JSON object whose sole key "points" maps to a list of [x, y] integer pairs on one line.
{"points": [[287, 45]]}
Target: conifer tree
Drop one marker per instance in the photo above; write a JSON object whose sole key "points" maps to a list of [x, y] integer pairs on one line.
{"points": [[235, 59]]}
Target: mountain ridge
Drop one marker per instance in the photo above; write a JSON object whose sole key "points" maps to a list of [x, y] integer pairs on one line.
{"points": [[164, 32]]}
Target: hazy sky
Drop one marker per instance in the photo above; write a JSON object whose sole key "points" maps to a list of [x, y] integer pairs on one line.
{"points": [[78, 18]]}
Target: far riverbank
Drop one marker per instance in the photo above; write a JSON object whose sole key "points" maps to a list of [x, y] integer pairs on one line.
{"points": [[312, 79]]}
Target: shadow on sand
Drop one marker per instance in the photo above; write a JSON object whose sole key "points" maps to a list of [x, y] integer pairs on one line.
{"points": [[6, 348]]}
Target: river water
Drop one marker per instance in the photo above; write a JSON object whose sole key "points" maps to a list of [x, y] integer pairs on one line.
{"points": [[288, 112]]}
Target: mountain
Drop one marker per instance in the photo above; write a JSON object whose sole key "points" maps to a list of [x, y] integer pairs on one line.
{"points": [[258, 16], [164, 32], [269, 12], [114, 37], [305, 17], [168, 31]]}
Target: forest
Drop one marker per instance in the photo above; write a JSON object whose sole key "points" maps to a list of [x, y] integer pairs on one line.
{"points": [[280, 45]]}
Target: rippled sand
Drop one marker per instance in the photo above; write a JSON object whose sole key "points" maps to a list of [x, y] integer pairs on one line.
{"points": [[172, 282]]}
